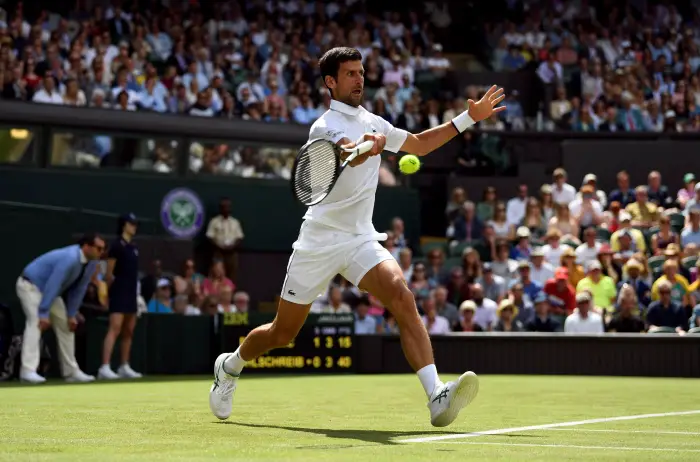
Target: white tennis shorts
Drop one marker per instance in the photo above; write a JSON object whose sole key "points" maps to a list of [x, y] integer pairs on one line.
{"points": [[321, 252]]}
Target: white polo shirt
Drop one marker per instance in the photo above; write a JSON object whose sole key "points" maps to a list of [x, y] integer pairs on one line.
{"points": [[593, 324], [350, 204], [566, 195]]}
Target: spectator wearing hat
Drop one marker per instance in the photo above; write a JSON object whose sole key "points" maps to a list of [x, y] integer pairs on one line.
{"points": [[678, 284], [691, 233], [562, 192], [623, 194], [434, 323], [664, 311], [486, 308], [467, 310], [540, 270], [601, 287], [587, 210], [687, 192], [162, 299], [633, 278], [542, 320], [530, 287], [467, 226], [507, 318], [515, 209], [644, 214], [494, 285], [522, 249], [626, 319], [122, 278], [568, 261], [547, 204], [592, 180], [583, 320], [665, 236], [657, 192], [443, 307], [553, 249], [588, 251], [560, 292], [693, 202], [626, 227], [502, 265]]}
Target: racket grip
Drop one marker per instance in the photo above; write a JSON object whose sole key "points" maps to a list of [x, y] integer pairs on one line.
{"points": [[358, 150]]}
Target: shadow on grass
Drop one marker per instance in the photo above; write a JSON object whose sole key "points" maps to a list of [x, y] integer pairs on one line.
{"points": [[384, 437], [148, 379]]}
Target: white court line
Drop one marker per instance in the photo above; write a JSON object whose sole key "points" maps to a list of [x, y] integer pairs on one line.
{"points": [[647, 432], [569, 446], [502, 431]]}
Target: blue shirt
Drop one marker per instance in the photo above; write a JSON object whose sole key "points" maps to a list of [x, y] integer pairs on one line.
{"points": [[365, 326], [305, 116], [152, 101], [688, 236], [154, 306], [673, 316], [56, 273]]}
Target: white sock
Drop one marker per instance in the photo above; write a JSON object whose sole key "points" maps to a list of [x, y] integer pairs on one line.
{"points": [[234, 363], [428, 377]]}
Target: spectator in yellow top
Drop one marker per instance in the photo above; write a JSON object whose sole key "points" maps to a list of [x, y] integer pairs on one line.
{"points": [[644, 214], [568, 261], [679, 285], [637, 236], [600, 286]]}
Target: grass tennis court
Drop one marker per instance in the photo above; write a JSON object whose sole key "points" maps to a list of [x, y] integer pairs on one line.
{"points": [[351, 418]]}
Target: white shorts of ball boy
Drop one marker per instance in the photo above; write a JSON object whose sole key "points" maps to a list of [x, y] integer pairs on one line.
{"points": [[322, 252]]}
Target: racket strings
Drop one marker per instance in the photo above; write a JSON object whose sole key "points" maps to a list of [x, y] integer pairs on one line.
{"points": [[315, 172]]}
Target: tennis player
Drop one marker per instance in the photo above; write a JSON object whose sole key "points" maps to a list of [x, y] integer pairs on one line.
{"points": [[337, 236]]}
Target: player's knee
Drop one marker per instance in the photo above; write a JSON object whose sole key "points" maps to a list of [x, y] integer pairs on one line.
{"points": [[400, 295]]}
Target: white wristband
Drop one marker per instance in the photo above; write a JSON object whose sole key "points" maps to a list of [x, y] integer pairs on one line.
{"points": [[463, 121]]}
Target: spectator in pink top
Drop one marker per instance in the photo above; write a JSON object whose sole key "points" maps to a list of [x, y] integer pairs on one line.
{"points": [[217, 280]]}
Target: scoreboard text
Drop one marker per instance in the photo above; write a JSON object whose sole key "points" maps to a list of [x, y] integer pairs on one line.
{"points": [[324, 344]]}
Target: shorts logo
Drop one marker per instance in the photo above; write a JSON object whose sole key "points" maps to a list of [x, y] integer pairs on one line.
{"points": [[182, 213]]}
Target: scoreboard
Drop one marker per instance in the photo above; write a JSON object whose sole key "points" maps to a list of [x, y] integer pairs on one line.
{"points": [[324, 344]]}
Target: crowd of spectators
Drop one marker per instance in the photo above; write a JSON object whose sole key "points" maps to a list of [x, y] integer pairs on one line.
{"points": [[248, 59], [576, 259], [605, 66]]}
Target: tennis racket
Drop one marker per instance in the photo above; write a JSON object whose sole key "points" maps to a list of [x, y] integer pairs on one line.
{"points": [[317, 167]]}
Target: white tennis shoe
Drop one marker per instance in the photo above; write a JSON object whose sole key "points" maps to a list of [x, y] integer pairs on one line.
{"points": [[222, 390], [449, 398]]}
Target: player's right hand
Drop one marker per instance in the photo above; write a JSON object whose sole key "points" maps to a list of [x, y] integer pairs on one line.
{"points": [[44, 324], [379, 143]]}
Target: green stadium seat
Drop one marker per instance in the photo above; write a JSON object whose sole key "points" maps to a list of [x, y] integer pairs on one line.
{"points": [[453, 262], [655, 263], [426, 248], [570, 243], [603, 234], [689, 262], [677, 222], [457, 249]]}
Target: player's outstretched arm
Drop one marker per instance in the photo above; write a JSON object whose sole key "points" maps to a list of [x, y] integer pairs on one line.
{"points": [[425, 142]]}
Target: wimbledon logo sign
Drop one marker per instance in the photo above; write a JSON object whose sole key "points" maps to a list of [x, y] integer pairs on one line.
{"points": [[182, 213]]}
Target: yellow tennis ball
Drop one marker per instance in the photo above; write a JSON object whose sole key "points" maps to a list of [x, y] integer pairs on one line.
{"points": [[409, 164]]}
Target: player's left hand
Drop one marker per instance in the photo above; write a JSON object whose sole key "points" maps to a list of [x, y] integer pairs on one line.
{"points": [[486, 106], [379, 143], [72, 324]]}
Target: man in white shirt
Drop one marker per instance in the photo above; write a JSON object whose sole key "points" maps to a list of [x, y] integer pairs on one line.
{"points": [[583, 320], [486, 309], [553, 250], [587, 210], [562, 192], [515, 209], [540, 270], [550, 71], [333, 304], [48, 93], [225, 233], [434, 323], [588, 251], [338, 236]]}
